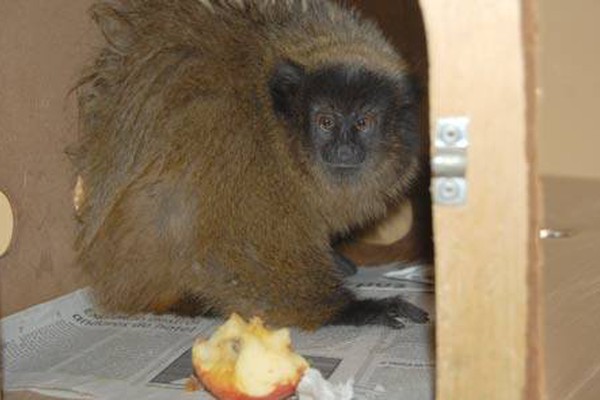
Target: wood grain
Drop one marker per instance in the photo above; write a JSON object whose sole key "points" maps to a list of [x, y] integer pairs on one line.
{"points": [[477, 69], [572, 289], [571, 87], [535, 374], [43, 44]]}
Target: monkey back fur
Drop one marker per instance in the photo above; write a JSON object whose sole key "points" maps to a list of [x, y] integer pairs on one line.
{"points": [[191, 191]]}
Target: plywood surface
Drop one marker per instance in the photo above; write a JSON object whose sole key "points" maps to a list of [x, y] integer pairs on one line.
{"points": [[43, 46], [483, 249], [570, 62], [572, 289]]}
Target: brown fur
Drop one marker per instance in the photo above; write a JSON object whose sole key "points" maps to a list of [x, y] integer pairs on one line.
{"points": [[191, 193]]}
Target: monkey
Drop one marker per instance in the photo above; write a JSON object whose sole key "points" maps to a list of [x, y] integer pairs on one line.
{"points": [[225, 143]]}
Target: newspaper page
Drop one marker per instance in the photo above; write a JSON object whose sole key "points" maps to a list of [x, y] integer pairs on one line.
{"points": [[66, 349]]}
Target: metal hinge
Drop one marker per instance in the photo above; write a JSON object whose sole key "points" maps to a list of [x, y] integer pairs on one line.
{"points": [[449, 162]]}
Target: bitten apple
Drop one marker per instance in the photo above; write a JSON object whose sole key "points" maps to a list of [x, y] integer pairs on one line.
{"points": [[246, 361]]}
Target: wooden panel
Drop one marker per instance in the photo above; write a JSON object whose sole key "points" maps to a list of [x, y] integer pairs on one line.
{"points": [[572, 289], [535, 373], [483, 249], [43, 46], [571, 87]]}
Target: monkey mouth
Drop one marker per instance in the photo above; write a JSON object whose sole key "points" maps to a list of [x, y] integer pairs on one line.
{"points": [[344, 166], [344, 172]]}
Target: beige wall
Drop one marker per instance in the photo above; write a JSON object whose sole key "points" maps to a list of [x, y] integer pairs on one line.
{"points": [[570, 78]]}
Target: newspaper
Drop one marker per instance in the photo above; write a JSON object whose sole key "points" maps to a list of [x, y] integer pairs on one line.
{"points": [[64, 348]]}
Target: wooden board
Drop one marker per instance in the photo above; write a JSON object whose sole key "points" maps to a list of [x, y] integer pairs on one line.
{"points": [[569, 67], [44, 44], [572, 289], [485, 249]]}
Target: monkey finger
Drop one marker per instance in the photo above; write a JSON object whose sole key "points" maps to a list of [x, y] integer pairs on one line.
{"points": [[344, 265], [398, 307], [394, 322]]}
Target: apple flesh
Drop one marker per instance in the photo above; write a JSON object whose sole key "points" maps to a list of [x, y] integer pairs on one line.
{"points": [[246, 361]]}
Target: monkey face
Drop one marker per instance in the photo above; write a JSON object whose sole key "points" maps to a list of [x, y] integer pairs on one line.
{"points": [[340, 139], [348, 121]]}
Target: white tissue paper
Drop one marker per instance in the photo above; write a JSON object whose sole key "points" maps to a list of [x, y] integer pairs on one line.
{"points": [[314, 387]]}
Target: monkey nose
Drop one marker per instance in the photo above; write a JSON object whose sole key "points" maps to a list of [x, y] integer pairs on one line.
{"points": [[347, 154]]}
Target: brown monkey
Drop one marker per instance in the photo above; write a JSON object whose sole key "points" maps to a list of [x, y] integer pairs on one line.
{"points": [[225, 143]]}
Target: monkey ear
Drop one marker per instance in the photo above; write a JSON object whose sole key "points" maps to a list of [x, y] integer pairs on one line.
{"points": [[115, 27], [284, 85], [412, 90]]}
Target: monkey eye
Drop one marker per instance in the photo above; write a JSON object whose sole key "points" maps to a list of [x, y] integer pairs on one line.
{"points": [[364, 124], [325, 122]]}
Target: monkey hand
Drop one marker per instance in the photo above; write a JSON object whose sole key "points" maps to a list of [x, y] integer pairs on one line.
{"points": [[392, 312], [344, 265]]}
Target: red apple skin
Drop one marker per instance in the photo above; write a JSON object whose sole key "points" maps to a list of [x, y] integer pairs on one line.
{"points": [[227, 392], [217, 370]]}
